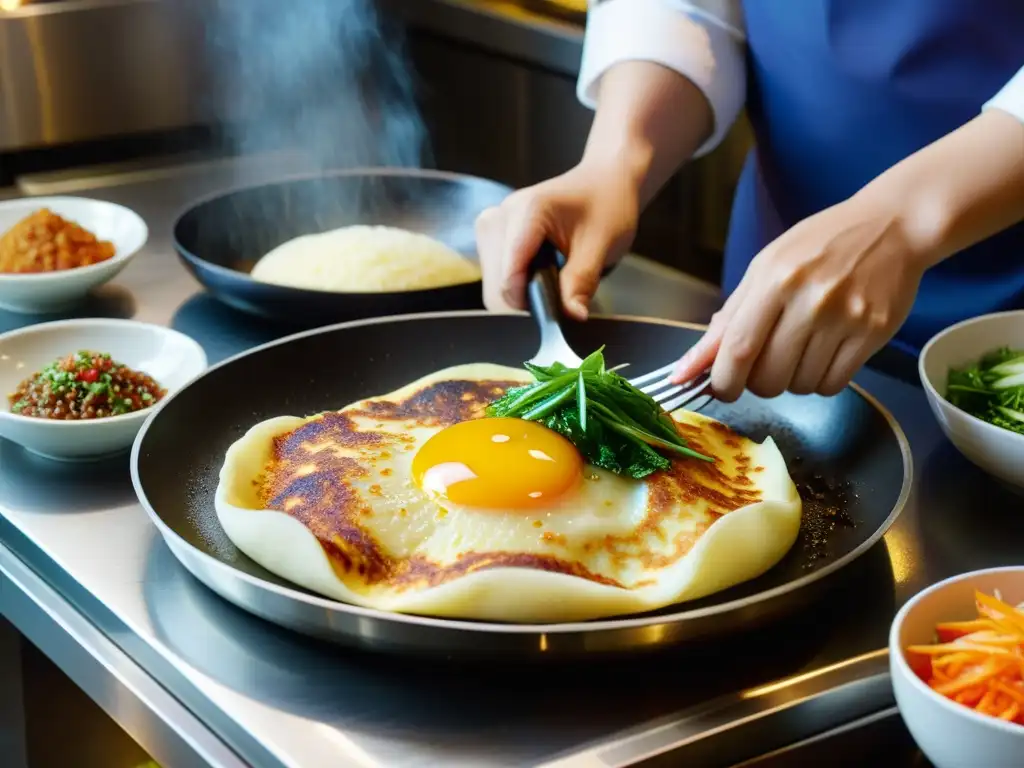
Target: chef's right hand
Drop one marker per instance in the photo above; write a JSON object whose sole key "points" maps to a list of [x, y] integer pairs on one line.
{"points": [[589, 214]]}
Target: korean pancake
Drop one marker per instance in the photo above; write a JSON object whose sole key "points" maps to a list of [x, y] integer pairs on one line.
{"points": [[414, 502]]}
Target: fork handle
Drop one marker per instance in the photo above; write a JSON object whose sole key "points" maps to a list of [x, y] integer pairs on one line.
{"points": [[542, 286]]}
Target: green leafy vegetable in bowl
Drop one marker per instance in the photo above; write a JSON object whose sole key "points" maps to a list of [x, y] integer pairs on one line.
{"points": [[992, 389], [613, 424]]}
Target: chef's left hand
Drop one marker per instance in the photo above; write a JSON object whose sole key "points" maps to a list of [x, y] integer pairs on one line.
{"points": [[813, 306]]}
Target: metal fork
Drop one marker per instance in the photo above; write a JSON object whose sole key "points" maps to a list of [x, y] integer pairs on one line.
{"points": [[546, 306]]}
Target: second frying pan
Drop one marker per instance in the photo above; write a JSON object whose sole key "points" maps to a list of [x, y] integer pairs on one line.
{"points": [[220, 238]]}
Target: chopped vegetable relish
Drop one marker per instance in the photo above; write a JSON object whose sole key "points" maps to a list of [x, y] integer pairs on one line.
{"points": [[84, 385]]}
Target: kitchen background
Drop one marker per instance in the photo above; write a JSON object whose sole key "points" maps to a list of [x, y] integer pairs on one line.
{"points": [[87, 82], [485, 87]]}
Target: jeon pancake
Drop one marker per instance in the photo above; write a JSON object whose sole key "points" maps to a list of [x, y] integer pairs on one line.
{"points": [[346, 504]]}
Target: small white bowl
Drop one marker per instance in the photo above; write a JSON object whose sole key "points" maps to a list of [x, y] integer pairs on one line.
{"points": [[38, 292], [950, 734], [171, 358], [996, 450]]}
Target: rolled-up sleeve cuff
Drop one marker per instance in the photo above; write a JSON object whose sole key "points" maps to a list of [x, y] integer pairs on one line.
{"points": [[1010, 98], [709, 54]]}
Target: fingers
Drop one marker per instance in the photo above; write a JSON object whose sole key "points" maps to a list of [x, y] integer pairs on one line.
{"points": [[525, 230], [791, 355], [587, 214], [507, 238], [490, 240], [786, 346], [850, 357], [581, 275], [756, 316], [817, 357], [701, 355]]}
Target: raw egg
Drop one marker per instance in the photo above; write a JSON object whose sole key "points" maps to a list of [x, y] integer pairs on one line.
{"points": [[500, 463]]}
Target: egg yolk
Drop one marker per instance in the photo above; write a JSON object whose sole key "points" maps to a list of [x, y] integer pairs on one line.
{"points": [[499, 463]]}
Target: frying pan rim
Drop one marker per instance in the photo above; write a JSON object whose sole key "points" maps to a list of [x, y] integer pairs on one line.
{"points": [[427, 173], [564, 628]]}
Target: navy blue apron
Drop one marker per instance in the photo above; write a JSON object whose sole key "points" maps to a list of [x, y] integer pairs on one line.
{"points": [[839, 91]]}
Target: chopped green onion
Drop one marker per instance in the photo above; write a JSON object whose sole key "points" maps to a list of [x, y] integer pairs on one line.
{"points": [[612, 423], [581, 400]]}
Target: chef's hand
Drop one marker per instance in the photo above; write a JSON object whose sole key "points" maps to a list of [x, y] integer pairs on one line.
{"points": [[820, 300], [589, 214], [813, 306], [649, 120]]}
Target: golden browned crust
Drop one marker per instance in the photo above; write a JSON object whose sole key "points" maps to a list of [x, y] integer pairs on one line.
{"points": [[314, 486], [438, 405]]}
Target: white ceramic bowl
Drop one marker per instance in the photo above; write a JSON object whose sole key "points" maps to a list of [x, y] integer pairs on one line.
{"points": [[950, 734], [996, 450], [171, 358], [53, 291]]}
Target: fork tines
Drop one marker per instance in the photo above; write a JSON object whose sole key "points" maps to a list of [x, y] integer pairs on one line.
{"points": [[671, 396]]}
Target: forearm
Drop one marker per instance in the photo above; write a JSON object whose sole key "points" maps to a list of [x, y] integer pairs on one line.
{"points": [[667, 78], [649, 121], [961, 189]]}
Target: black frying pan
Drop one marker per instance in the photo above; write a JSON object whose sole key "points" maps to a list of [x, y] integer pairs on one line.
{"points": [[849, 458], [221, 237]]}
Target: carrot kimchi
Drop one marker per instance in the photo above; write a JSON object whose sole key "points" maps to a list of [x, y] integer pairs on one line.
{"points": [[978, 663]]}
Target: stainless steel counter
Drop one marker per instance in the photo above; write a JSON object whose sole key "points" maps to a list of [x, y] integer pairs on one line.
{"points": [[85, 576]]}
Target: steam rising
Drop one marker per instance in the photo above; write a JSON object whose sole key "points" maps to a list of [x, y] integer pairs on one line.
{"points": [[328, 77]]}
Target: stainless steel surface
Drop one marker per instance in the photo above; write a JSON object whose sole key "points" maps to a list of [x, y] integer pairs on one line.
{"points": [[771, 716], [86, 69], [280, 700], [879, 739], [141, 706], [153, 73]]}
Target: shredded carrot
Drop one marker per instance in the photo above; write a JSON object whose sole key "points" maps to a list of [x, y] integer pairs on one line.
{"points": [[965, 643], [951, 630], [985, 705], [971, 696], [978, 663], [1016, 694]]}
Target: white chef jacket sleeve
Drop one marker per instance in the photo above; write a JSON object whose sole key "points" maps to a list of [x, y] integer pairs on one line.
{"points": [[703, 40], [1010, 98]]}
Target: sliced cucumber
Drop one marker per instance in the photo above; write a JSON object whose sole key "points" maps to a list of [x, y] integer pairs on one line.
{"points": [[1010, 413], [1009, 367], [1013, 380]]}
